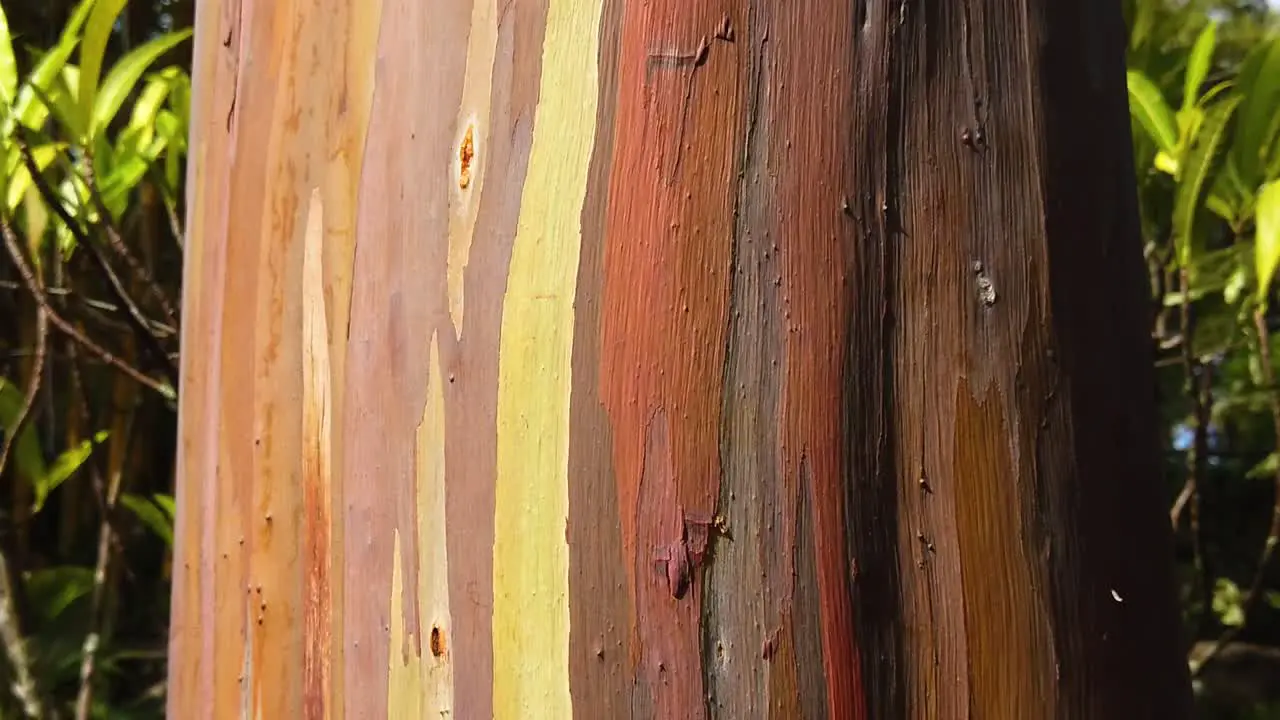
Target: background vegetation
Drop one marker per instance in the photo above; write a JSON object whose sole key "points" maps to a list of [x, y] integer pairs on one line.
{"points": [[94, 102]]}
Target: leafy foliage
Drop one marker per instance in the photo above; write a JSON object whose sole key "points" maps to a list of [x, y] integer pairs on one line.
{"points": [[92, 144], [1204, 92]]}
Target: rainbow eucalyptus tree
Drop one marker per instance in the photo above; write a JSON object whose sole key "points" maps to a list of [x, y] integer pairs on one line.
{"points": [[667, 359]]}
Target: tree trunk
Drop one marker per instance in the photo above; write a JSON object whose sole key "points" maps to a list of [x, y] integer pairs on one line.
{"points": [[667, 359]]}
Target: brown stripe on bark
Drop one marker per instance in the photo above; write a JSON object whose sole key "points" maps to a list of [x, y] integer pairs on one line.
{"points": [[995, 588], [600, 607], [666, 296], [749, 649], [1101, 499], [941, 330], [806, 615], [1010, 654]]}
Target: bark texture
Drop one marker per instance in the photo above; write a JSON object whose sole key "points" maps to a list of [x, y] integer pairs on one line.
{"points": [[667, 359]]}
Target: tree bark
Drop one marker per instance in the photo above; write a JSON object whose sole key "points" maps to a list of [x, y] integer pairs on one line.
{"points": [[676, 359]]}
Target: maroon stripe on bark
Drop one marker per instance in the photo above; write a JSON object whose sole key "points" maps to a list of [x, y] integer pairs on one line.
{"points": [[809, 130]]}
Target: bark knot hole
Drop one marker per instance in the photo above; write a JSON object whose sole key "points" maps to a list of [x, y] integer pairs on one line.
{"points": [[466, 153], [986, 288], [437, 641]]}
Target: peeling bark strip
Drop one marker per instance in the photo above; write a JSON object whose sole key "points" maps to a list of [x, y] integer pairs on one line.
{"points": [[666, 359]]}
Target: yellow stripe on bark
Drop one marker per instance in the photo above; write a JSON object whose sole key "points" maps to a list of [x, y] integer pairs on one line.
{"points": [[531, 554], [422, 685]]}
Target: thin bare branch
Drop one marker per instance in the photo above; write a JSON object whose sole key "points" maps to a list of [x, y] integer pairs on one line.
{"points": [[15, 253], [117, 243], [1273, 531], [1199, 385], [141, 324], [24, 685]]}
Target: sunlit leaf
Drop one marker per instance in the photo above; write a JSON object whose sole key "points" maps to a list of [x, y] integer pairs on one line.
{"points": [[60, 98], [1227, 603], [52, 590], [125, 74], [97, 32], [26, 452], [1259, 83], [20, 178], [62, 468], [1265, 469], [121, 181], [1267, 239], [37, 214], [1198, 64], [28, 109], [166, 503], [149, 102], [8, 64], [1202, 160], [1152, 112], [151, 514]]}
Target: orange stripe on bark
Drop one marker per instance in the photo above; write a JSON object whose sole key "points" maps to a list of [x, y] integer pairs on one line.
{"points": [[665, 310]]}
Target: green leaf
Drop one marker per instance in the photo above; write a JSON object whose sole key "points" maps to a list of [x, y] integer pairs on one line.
{"points": [[52, 590], [60, 98], [1198, 64], [1152, 112], [126, 73], [151, 514], [1264, 469], [1267, 240], [121, 181], [27, 456], [1259, 82], [166, 504], [27, 108], [149, 103], [1227, 603], [77, 19], [94, 46], [8, 64], [1202, 160], [20, 179], [62, 468]]}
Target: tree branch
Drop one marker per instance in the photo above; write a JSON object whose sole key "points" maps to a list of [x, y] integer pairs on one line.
{"points": [[141, 324], [1273, 531], [117, 243], [25, 688], [15, 253], [1199, 387]]}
